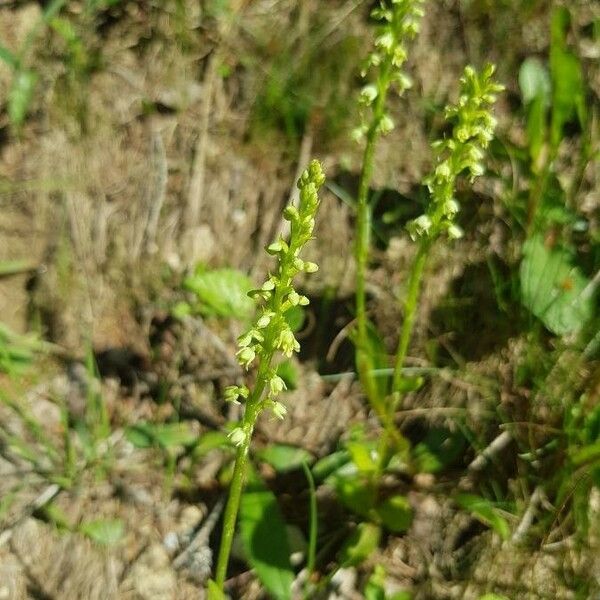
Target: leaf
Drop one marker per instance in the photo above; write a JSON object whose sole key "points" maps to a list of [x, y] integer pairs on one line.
{"points": [[356, 492], [211, 440], [568, 98], [534, 81], [222, 293], [166, 435], [329, 464], [485, 511], [284, 458], [20, 96], [360, 545], [374, 588], [103, 531], [493, 597], [8, 57], [265, 540], [553, 289], [395, 513]]}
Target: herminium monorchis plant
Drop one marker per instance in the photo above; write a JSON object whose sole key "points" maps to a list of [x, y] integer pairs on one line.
{"points": [[269, 335], [464, 151], [399, 22]]}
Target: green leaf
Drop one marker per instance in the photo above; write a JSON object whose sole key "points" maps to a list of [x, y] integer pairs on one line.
{"points": [[103, 531], [534, 81], [222, 293], [568, 99], [395, 513], [374, 589], [9, 58], [265, 540], [361, 544], [364, 455], [553, 289], [493, 597], [356, 492], [20, 96], [284, 458], [211, 440], [485, 511], [166, 435], [329, 464]]}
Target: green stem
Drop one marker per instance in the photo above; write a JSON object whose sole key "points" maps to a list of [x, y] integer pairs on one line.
{"points": [[363, 236], [236, 486], [410, 310]]}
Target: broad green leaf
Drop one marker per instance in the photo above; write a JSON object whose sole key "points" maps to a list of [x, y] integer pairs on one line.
{"points": [[20, 96], [166, 435], [360, 545], [265, 540], [222, 293], [485, 511], [553, 289], [284, 458], [395, 513], [493, 597], [103, 531]]}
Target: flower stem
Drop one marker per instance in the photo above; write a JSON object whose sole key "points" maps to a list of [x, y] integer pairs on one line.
{"points": [[410, 310]]}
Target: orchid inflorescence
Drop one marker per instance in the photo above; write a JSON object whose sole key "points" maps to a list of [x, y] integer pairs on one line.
{"points": [[271, 332], [399, 23], [463, 151]]}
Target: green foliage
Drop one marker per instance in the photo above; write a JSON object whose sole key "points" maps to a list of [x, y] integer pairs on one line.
{"points": [[361, 544], [221, 293], [553, 289], [162, 435], [265, 540], [485, 511], [106, 532], [284, 458]]}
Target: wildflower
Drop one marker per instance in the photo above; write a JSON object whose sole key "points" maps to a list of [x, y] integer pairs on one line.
{"points": [[237, 436]]}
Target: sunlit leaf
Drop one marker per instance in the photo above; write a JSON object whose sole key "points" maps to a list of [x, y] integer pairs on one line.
{"points": [[222, 292], [265, 541], [553, 289], [485, 511], [103, 531]]}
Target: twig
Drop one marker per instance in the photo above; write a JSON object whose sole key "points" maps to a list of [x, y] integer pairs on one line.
{"points": [[495, 447], [201, 537], [528, 516]]}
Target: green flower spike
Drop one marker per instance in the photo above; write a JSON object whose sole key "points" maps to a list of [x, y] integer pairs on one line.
{"points": [[269, 335]]}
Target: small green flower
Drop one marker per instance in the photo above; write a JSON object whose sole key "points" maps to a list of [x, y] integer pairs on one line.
{"points": [[237, 436]]}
